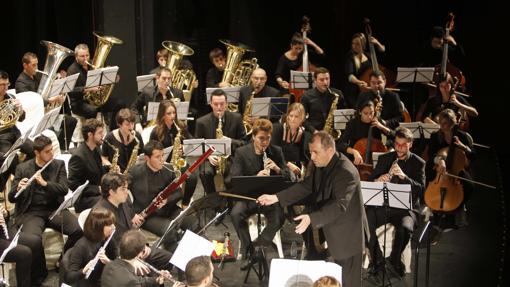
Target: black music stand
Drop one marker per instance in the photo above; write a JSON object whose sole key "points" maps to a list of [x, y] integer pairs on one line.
{"points": [[424, 232], [255, 186], [271, 108], [415, 75], [386, 195]]}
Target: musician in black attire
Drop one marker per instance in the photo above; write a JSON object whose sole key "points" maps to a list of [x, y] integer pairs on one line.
{"points": [[41, 198], [115, 197], [357, 62], [358, 128], [403, 167], [232, 127], [86, 164], [28, 81], [391, 113], [258, 85], [79, 260], [78, 104], [258, 158], [318, 101], [293, 60], [165, 132], [161, 58], [128, 143], [215, 74], [147, 180], [162, 91]]}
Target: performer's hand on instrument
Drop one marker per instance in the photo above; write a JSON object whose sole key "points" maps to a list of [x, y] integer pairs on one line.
{"points": [[17, 103], [294, 168], [303, 225], [102, 256], [179, 284], [137, 220], [397, 171], [264, 172], [362, 84], [459, 144], [441, 166], [92, 89], [90, 265], [162, 203], [40, 180], [140, 268], [270, 164], [384, 178], [163, 274], [454, 100], [22, 183], [358, 159], [213, 159], [267, 199]]}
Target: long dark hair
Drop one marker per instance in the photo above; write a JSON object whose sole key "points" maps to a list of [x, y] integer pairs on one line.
{"points": [[161, 128], [94, 225]]}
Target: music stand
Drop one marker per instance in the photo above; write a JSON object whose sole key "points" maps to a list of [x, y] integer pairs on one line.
{"points": [[231, 92], [415, 75], [342, 117], [70, 200], [145, 82], [301, 80], [255, 186], [269, 107], [46, 122], [11, 246], [100, 77], [421, 130], [387, 195]]}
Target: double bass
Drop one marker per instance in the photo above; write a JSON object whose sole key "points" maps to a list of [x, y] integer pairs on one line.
{"points": [[306, 66]]}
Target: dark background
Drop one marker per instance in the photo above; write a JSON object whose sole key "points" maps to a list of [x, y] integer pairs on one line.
{"points": [[267, 26]]}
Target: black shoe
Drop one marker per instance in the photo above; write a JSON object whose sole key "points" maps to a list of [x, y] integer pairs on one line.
{"points": [[396, 268], [245, 264]]}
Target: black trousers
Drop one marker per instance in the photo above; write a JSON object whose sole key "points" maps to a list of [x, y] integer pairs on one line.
{"points": [[190, 186], [244, 209], [22, 256], [66, 131], [375, 218], [351, 270], [207, 173]]}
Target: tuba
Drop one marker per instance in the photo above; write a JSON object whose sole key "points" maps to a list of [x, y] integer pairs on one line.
{"points": [[103, 48], [9, 113], [177, 162], [182, 79], [56, 54], [329, 125]]}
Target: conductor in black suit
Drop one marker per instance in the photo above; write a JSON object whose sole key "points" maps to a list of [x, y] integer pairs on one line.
{"points": [[258, 158], [86, 164], [403, 167], [232, 127], [336, 205]]}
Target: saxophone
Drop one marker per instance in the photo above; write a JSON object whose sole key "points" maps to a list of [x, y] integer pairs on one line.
{"points": [[115, 158], [329, 125], [220, 168], [177, 162], [134, 154], [247, 114]]}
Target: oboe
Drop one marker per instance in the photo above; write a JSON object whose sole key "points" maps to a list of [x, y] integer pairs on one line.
{"points": [[96, 258], [32, 179]]}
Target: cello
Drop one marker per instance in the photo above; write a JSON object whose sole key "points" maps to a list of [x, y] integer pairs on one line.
{"points": [[306, 66], [389, 75]]}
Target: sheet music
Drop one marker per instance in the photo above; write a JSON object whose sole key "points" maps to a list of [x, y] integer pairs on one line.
{"points": [[423, 74], [46, 122], [232, 94], [152, 110], [299, 80], [290, 272], [341, 117], [8, 161], [223, 146], [94, 78], [193, 147], [70, 199], [191, 246], [417, 128], [11, 246], [64, 85], [399, 195], [182, 110], [145, 81]]}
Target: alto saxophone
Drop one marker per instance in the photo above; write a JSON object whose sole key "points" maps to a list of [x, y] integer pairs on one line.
{"points": [[134, 154], [329, 125], [177, 162], [220, 168], [247, 114], [115, 158]]}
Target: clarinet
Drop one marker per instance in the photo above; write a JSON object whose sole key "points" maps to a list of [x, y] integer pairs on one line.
{"points": [[32, 179], [96, 258], [165, 193]]}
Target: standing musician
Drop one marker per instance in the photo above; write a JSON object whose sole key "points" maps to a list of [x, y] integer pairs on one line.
{"points": [[292, 60], [403, 167], [358, 128], [445, 98], [357, 62], [232, 127], [336, 205], [391, 112], [162, 91], [28, 81], [449, 135], [86, 164], [433, 53], [79, 260], [147, 180], [293, 139], [318, 101], [41, 198], [258, 158], [81, 66], [122, 271], [114, 188], [165, 132], [215, 74], [128, 143], [161, 58], [258, 85]]}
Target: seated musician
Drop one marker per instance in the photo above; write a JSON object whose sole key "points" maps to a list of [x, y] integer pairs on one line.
{"points": [[122, 271], [115, 192], [207, 128], [258, 86], [162, 91], [449, 135], [85, 164], [199, 272], [249, 160], [403, 167], [122, 144], [358, 128], [165, 132], [147, 180], [445, 98], [318, 101], [41, 198], [161, 58], [79, 260], [215, 74], [391, 112], [293, 139]]}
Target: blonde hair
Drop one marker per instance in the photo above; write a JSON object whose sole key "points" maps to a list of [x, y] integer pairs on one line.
{"points": [[326, 281]]}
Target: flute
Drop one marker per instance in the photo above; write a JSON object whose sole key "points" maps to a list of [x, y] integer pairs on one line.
{"points": [[156, 270], [4, 224], [32, 178], [96, 258]]}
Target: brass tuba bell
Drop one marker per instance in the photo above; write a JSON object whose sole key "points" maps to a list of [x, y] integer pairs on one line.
{"points": [[104, 45], [182, 79]]}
